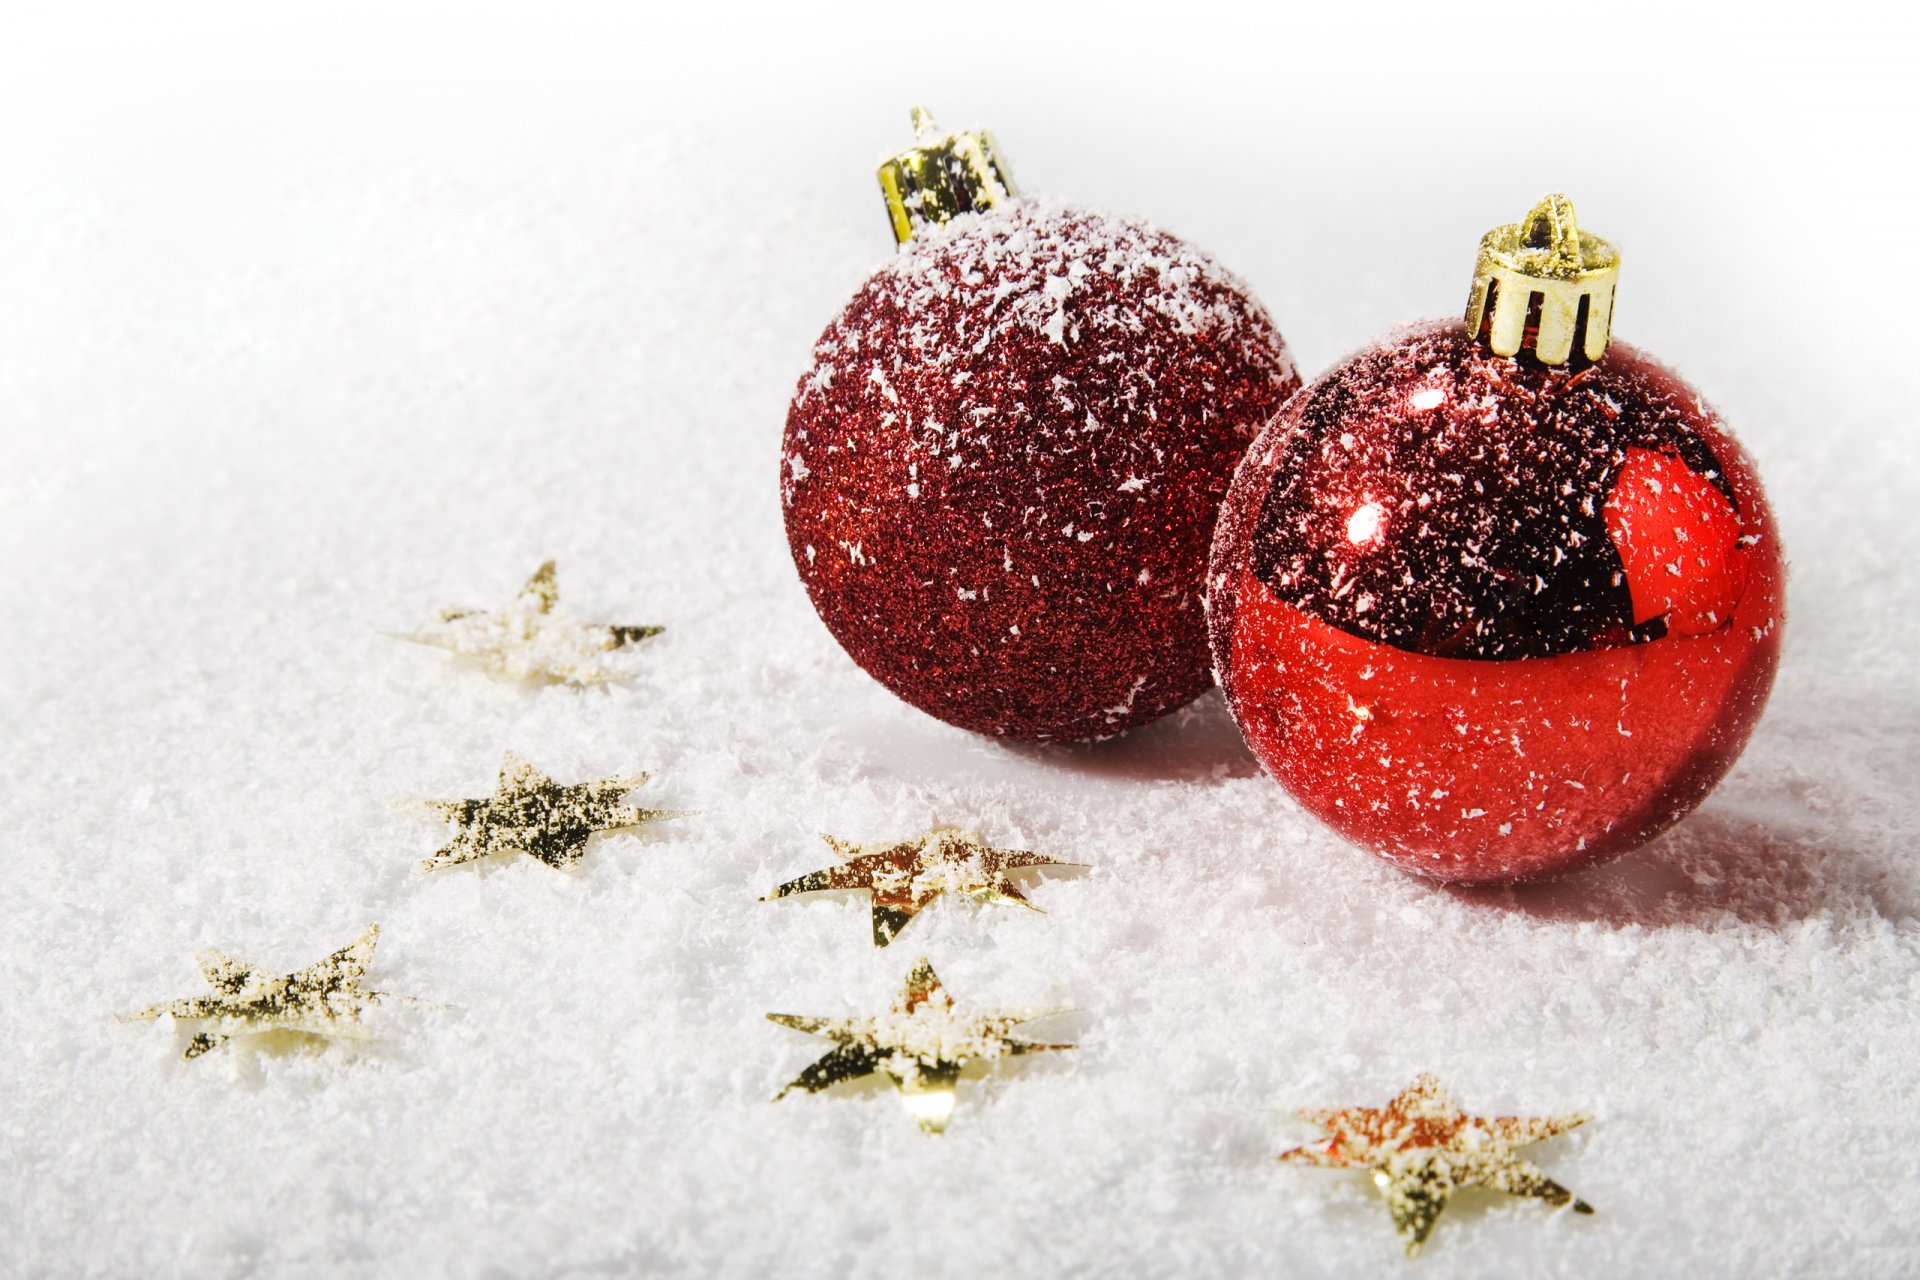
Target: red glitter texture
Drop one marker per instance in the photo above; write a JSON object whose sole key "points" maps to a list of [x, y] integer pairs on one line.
{"points": [[1002, 472], [1493, 620]]}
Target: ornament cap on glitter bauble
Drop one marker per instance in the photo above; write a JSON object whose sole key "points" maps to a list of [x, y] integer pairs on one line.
{"points": [[1502, 599], [1002, 470]]}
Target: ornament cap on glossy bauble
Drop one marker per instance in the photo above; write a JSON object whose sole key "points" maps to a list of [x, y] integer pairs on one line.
{"points": [[1002, 468], [1544, 286], [1495, 614]]}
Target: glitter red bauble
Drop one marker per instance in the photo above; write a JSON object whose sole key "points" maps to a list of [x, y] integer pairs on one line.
{"points": [[1002, 472], [1494, 620]]}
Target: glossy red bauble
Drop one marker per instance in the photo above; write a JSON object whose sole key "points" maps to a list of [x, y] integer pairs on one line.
{"points": [[1002, 472], [1495, 620]]}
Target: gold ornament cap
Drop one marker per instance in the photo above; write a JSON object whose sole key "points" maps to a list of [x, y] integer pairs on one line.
{"points": [[943, 174], [1544, 256]]}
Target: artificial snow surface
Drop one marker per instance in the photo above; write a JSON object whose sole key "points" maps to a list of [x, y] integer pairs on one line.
{"points": [[285, 366]]}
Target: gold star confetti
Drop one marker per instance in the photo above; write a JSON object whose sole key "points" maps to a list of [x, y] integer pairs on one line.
{"points": [[532, 638], [905, 875], [530, 813], [322, 999], [1421, 1149], [922, 1045]]}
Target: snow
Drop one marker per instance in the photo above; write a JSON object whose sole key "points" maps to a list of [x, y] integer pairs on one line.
{"points": [[294, 357]]}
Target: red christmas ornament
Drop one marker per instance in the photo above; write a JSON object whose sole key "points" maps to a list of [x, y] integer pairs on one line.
{"points": [[1001, 474], [1498, 601]]}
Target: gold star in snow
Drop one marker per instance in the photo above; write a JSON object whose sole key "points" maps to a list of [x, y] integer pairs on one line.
{"points": [[530, 813], [322, 999], [906, 875], [1421, 1149], [922, 1046], [532, 638]]}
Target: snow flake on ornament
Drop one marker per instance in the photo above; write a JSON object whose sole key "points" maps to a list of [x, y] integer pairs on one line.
{"points": [[529, 813], [922, 1045], [1421, 1149], [324, 999], [905, 876], [533, 638]]}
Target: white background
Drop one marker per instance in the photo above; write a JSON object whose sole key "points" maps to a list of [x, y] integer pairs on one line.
{"points": [[315, 318]]}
